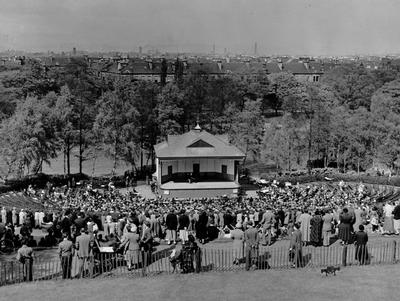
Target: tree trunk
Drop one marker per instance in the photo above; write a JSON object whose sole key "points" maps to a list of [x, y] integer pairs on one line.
{"points": [[94, 162], [115, 156], [68, 155]]}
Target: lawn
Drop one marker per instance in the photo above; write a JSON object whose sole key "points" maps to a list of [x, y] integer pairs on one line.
{"points": [[100, 166], [355, 283]]}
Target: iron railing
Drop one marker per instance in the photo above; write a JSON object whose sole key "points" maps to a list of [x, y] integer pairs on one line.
{"points": [[205, 259]]}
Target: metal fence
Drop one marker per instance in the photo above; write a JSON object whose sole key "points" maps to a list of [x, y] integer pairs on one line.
{"points": [[206, 259]]}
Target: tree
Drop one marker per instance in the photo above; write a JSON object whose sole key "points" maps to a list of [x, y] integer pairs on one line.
{"points": [[385, 109], [64, 118], [115, 123], [28, 137], [169, 110], [85, 90], [353, 85], [247, 129]]}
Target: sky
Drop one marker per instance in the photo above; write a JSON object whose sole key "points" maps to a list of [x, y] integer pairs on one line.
{"points": [[294, 27]]}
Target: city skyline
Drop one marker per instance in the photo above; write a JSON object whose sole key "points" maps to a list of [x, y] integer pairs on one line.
{"points": [[311, 27]]}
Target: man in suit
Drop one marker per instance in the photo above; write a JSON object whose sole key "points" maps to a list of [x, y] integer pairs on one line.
{"points": [[295, 248], [267, 221], [183, 225], [171, 221], [65, 251], [252, 240], [361, 239], [84, 245]]}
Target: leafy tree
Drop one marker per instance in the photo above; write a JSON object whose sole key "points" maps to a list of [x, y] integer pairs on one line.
{"points": [[28, 137], [353, 84], [85, 89], [115, 123], [65, 117], [385, 109], [169, 110], [247, 129]]}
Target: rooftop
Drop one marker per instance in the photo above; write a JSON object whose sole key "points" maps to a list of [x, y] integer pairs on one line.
{"points": [[197, 144]]}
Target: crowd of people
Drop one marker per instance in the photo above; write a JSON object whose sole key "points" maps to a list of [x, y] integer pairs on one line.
{"points": [[115, 219]]}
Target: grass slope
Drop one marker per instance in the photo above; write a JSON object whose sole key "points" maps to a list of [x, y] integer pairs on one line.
{"points": [[355, 283]]}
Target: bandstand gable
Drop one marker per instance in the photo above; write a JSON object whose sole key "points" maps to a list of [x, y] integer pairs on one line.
{"points": [[200, 143]]}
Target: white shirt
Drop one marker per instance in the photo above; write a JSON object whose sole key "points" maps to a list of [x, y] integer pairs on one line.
{"points": [[388, 209]]}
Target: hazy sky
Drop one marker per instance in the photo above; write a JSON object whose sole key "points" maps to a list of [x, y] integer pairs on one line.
{"points": [[330, 27]]}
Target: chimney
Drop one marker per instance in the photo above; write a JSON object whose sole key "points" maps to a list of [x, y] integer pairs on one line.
{"points": [[119, 66], [219, 63], [306, 65], [150, 65]]}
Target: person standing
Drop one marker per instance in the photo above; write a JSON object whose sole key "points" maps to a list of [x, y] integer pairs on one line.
{"points": [[14, 217], [183, 225], [238, 238], [305, 226], [361, 239], [396, 218], [171, 222], [388, 221], [316, 229], [295, 247], [22, 216], [4, 215], [130, 243], [345, 226], [147, 241], [327, 222], [84, 245], [201, 227], [252, 240], [25, 256], [267, 221], [65, 251]]}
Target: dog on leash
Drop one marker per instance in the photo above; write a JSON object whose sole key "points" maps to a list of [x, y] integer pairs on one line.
{"points": [[330, 270]]}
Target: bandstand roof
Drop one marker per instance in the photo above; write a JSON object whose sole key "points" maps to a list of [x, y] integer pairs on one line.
{"points": [[197, 144]]}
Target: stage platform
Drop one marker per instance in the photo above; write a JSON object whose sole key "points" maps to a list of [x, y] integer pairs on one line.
{"points": [[198, 189]]}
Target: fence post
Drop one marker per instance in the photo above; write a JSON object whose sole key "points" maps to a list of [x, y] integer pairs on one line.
{"points": [[248, 258], [394, 251], [344, 256], [198, 260], [144, 253]]}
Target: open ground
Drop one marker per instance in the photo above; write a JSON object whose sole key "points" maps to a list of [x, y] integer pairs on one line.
{"points": [[353, 283]]}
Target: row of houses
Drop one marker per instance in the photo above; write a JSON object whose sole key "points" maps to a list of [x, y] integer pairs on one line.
{"points": [[162, 70], [155, 70]]}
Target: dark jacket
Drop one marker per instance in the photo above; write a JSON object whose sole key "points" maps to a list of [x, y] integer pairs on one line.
{"points": [[171, 221], [361, 238], [396, 212], [183, 221]]}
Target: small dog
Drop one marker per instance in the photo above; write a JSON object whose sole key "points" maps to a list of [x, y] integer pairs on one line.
{"points": [[330, 270]]}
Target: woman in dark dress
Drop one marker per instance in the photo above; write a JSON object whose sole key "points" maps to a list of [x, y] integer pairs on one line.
{"points": [[346, 220], [201, 227], [316, 229]]}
